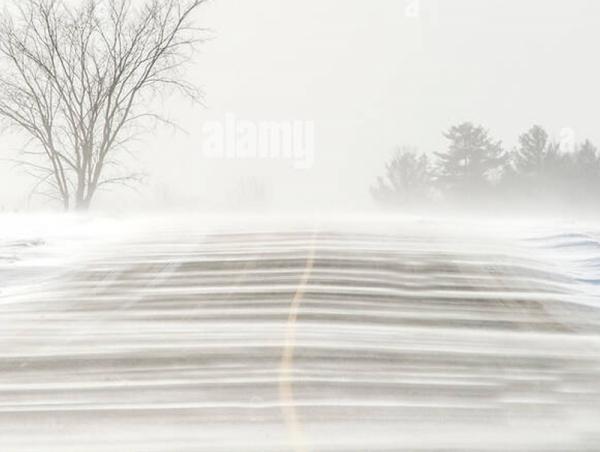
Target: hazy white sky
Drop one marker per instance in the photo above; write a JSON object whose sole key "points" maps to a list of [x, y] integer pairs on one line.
{"points": [[370, 78]]}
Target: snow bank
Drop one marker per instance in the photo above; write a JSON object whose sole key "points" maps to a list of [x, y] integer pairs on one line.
{"points": [[35, 248]]}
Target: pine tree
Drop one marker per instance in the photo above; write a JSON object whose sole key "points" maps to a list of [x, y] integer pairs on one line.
{"points": [[533, 151], [585, 173], [587, 159], [407, 180], [471, 161]]}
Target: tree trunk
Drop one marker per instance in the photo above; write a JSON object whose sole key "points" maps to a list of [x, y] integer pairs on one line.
{"points": [[85, 193], [83, 204]]}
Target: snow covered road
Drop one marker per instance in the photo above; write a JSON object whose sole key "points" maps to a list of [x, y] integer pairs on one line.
{"points": [[278, 336]]}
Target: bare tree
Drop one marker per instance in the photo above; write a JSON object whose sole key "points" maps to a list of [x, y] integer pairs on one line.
{"points": [[79, 81]]}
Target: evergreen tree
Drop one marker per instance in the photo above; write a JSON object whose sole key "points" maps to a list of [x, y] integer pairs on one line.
{"points": [[585, 173], [472, 160], [407, 181], [533, 150], [587, 160], [539, 170]]}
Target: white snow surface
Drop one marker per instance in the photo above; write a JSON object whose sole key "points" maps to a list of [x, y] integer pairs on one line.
{"points": [[206, 333]]}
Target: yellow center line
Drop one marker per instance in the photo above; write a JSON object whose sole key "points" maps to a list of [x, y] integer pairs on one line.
{"points": [[286, 390]]}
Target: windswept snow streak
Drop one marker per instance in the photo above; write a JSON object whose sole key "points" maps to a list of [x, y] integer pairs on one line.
{"points": [[577, 254], [407, 336]]}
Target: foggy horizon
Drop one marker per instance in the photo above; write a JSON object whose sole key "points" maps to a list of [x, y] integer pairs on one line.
{"points": [[370, 77]]}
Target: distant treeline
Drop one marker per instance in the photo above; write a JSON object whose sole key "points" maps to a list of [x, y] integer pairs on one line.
{"points": [[476, 171]]}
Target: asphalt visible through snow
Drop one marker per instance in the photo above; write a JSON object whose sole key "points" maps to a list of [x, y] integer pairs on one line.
{"points": [[316, 338]]}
